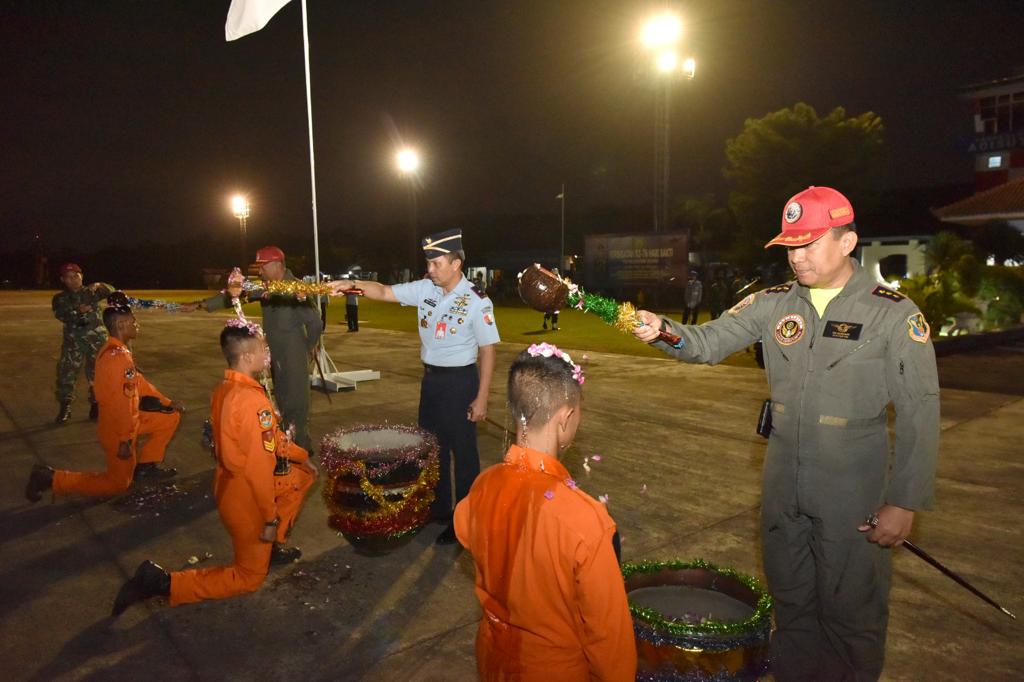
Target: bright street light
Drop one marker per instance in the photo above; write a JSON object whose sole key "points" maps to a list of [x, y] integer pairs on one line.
{"points": [[661, 36], [240, 206], [662, 31], [667, 61], [240, 209], [407, 160]]}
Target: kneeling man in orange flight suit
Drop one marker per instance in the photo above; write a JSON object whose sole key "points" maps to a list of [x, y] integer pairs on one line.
{"points": [[130, 407], [258, 490]]}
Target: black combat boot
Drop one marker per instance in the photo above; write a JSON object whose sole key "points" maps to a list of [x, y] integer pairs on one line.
{"points": [[94, 411], [150, 580], [64, 414], [151, 471], [39, 481], [281, 554]]}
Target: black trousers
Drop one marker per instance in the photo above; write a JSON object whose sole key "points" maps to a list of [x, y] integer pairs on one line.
{"points": [[352, 317], [690, 313], [445, 397]]}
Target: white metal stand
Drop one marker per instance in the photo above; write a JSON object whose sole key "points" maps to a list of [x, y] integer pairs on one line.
{"points": [[336, 381]]}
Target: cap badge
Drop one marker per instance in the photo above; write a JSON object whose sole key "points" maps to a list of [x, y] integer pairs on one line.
{"points": [[793, 212]]}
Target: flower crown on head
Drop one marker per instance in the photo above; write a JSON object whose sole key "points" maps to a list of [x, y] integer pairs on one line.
{"points": [[240, 323], [548, 350]]}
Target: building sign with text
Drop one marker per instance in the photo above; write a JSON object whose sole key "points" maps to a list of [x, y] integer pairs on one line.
{"points": [[996, 143], [632, 260]]}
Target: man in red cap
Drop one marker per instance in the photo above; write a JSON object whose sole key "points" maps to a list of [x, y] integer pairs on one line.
{"points": [[839, 348], [78, 308], [293, 327]]}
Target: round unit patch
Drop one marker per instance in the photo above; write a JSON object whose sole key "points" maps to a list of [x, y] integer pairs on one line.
{"points": [[793, 212], [789, 329]]}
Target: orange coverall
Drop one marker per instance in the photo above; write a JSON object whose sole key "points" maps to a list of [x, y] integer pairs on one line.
{"points": [[553, 597], [118, 387], [248, 493]]}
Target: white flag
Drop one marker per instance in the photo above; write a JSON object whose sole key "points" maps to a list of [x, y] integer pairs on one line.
{"points": [[249, 16]]}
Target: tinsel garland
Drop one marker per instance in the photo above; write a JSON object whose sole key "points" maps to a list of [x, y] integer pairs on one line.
{"points": [[758, 622], [698, 676], [169, 306], [622, 316], [289, 287], [392, 518]]}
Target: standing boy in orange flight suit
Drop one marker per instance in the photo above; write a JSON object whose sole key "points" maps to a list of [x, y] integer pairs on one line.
{"points": [[120, 389], [553, 597], [258, 491]]}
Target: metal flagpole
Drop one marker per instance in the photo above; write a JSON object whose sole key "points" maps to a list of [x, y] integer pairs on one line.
{"points": [[312, 162], [561, 252]]}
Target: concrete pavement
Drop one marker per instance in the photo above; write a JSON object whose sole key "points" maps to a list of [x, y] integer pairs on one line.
{"points": [[684, 432]]}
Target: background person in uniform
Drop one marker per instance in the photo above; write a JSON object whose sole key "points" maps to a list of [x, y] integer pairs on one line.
{"points": [[352, 312], [546, 574], [551, 317], [119, 389], [292, 326], [78, 307], [692, 297], [260, 484], [838, 349], [456, 324]]}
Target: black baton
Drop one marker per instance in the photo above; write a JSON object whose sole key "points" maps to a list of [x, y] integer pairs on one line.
{"points": [[873, 522]]}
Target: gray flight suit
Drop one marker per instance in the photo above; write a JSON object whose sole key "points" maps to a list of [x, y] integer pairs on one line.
{"points": [[84, 335], [293, 329], [828, 463]]}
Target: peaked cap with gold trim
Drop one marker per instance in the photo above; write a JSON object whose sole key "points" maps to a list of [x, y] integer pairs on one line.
{"points": [[440, 243]]}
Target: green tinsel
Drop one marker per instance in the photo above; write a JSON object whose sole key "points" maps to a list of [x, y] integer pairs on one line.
{"points": [[605, 308], [757, 621]]}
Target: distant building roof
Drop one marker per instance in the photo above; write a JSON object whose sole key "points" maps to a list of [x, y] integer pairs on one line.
{"points": [[992, 84], [1005, 202]]}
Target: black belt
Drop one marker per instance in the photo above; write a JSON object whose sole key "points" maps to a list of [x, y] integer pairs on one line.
{"points": [[435, 369]]}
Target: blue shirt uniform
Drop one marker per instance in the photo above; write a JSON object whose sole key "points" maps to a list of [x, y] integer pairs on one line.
{"points": [[452, 326]]}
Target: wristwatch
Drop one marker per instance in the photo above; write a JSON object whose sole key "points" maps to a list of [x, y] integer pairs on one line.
{"points": [[276, 522]]}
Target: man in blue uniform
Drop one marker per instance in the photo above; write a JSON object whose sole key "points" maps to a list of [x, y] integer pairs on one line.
{"points": [[457, 328]]}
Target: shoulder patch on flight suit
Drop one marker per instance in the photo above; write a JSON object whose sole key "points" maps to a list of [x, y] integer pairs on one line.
{"points": [[747, 300], [129, 372], [887, 293], [266, 418], [477, 290], [778, 289], [269, 442], [789, 329], [919, 330]]}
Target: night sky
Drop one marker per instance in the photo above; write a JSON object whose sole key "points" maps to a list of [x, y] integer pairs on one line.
{"points": [[131, 120]]}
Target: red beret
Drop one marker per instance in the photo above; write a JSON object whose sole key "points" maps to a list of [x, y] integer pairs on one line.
{"points": [[69, 267]]}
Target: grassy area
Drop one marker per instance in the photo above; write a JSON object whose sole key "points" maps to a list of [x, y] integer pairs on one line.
{"points": [[521, 326]]}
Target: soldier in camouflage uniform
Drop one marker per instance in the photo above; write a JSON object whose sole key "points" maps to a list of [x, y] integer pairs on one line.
{"points": [[78, 308], [838, 349], [293, 330]]}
